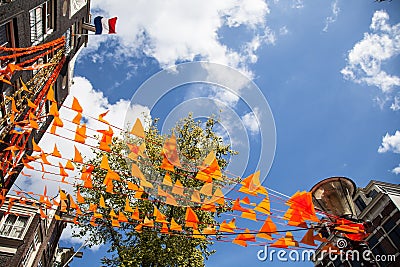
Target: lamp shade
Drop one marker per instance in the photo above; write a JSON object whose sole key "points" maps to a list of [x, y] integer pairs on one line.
{"points": [[334, 195]]}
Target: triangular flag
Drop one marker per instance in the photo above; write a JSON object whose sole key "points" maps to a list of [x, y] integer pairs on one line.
{"points": [[77, 157], [76, 106], [137, 129], [50, 94]]}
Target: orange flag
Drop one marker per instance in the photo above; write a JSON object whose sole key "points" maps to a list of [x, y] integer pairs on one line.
{"points": [[175, 226], [35, 147], [77, 119], [56, 153], [191, 217], [228, 227], [54, 110], [267, 229], [80, 134], [79, 197], [128, 207], [135, 214], [44, 159], [76, 106], [42, 214], [308, 238], [178, 188], [264, 206], [69, 166], [137, 129], [206, 189], [104, 163], [32, 121], [167, 179], [161, 218], [102, 115], [62, 170], [50, 94], [147, 222], [102, 203], [170, 153], [58, 122], [31, 104], [164, 228], [77, 157], [122, 217]]}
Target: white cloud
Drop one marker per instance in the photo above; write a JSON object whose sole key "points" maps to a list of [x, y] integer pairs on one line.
{"points": [[180, 30], [298, 4], [365, 60], [390, 143], [396, 170], [396, 104], [283, 30], [93, 103], [67, 237], [251, 121], [335, 13]]}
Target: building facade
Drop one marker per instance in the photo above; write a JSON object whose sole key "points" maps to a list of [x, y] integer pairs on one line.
{"points": [[27, 238], [378, 202], [25, 24]]}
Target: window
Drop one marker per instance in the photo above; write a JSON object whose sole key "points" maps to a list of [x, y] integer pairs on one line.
{"points": [[360, 203], [7, 39], [36, 239], [372, 194], [395, 236], [14, 226], [27, 255], [67, 36], [41, 21]]}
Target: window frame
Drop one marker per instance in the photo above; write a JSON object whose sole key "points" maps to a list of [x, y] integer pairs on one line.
{"points": [[10, 40], [23, 233], [41, 25]]}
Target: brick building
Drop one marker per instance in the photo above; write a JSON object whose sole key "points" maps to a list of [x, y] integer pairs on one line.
{"points": [[26, 239], [26, 24]]}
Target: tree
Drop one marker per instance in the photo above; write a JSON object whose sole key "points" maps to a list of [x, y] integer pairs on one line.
{"points": [[132, 245]]}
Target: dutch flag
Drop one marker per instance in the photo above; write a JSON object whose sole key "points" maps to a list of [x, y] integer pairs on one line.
{"points": [[104, 25]]}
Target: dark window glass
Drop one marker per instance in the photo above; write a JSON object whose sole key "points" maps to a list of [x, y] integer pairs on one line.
{"points": [[372, 194], [395, 236], [360, 203], [388, 225]]}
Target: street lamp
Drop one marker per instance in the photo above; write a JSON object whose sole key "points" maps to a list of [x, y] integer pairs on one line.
{"points": [[334, 196]]}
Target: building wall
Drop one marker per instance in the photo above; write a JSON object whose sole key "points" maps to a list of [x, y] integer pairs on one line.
{"points": [[17, 12], [39, 241]]}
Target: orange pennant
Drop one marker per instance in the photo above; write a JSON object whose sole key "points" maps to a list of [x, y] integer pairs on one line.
{"points": [[56, 153], [137, 129], [77, 157], [50, 94], [76, 106]]}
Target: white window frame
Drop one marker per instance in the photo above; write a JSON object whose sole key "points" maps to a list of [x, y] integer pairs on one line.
{"points": [[3, 222], [41, 25]]}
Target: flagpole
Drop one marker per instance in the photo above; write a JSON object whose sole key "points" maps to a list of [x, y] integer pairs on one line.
{"points": [[84, 34]]}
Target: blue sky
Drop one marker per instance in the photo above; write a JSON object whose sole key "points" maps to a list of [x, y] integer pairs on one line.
{"points": [[329, 70]]}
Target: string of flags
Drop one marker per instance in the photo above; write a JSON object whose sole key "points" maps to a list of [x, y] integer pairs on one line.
{"points": [[158, 184]]}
